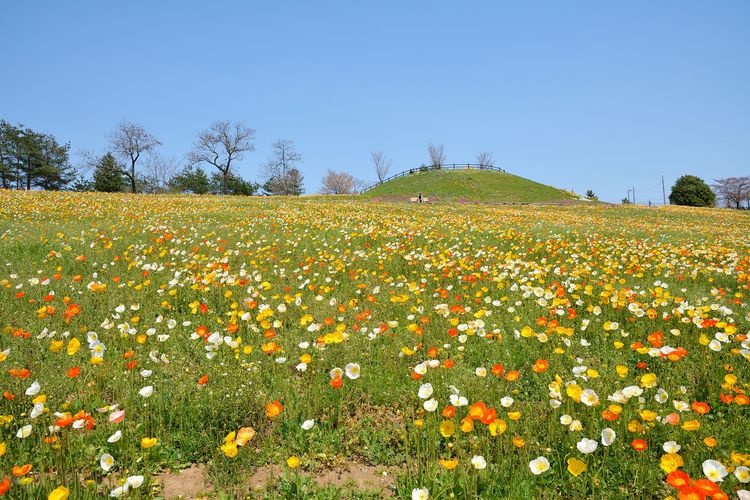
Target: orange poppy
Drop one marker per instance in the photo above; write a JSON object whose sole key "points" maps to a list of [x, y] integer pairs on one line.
{"points": [[274, 409], [677, 354], [498, 369], [449, 411], [4, 486], [690, 493], [540, 366], [700, 407], [270, 348], [74, 371], [203, 380], [489, 416], [23, 373], [610, 415], [678, 479], [706, 487], [65, 420], [336, 382], [22, 470], [512, 375], [639, 444], [477, 410], [672, 418], [656, 339]]}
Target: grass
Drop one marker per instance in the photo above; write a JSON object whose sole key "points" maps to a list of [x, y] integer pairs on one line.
{"points": [[226, 305], [470, 185]]}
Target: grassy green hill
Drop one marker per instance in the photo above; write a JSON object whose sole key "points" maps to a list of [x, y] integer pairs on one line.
{"points": [[473, 185]]}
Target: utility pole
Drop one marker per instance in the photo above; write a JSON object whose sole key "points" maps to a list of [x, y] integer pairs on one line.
{"points": [[633, 195], [663, 191], [628, 194]]}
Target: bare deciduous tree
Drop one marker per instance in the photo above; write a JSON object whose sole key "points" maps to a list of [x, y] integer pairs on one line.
{"points": [[733, 190], [338, 183], [222, 144], [359, 185], [484, 158], [437, 157], [280, 169], [128, 141], [382, 165], [160, 169]]}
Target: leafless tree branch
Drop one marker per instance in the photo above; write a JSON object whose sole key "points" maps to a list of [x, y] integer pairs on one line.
{"points": [[222, 144], [437, 157], [381, 163], [127, 142], [733, 190], [339, 183], [484, 158]]}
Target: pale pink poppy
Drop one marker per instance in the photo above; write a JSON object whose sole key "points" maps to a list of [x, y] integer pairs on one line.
{"points": [[117, 416]]}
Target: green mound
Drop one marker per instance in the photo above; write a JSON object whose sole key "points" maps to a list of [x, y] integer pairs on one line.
{"points": [[470, 185]]}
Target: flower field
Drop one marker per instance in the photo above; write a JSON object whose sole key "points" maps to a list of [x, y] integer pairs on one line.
{"points": [[464, 350]]}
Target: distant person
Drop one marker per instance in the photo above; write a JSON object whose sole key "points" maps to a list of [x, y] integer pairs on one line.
{"points": [[420, 197]]}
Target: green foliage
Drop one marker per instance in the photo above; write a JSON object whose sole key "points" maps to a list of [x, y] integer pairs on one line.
{"points": [[626, 201], [290, 184], [193, 180], [590, 195], [32, 159], [236, 185], [81, 183], [108, 175], [478, 185], [692, 191]]}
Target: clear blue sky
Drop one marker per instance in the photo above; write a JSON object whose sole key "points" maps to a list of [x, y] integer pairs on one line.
{"points": [[576, 94]]}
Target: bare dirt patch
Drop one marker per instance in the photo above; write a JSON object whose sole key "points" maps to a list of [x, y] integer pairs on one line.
{"points": [[360, 477], [189, 483], [264, 476], [357, 477], [192, 483]]}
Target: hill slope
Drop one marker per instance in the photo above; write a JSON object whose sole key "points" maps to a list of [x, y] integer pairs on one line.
{"points": [[469, 184]]}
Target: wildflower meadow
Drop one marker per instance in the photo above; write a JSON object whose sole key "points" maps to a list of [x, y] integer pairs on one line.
{"points": [[458, 350]]}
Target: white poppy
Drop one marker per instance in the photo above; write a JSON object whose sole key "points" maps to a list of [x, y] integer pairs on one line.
{"points": [[714, 470], [352, 370], [425, 391], [539, 465], [479, 462], [106, 462], [608, 436], [430, 404], [24, 431], [33, 389]]}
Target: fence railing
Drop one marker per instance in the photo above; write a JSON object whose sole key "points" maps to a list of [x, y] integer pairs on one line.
{"points": [[426, 168]]}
